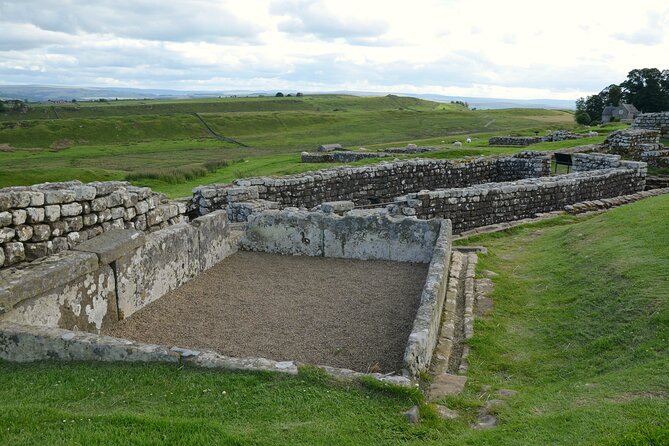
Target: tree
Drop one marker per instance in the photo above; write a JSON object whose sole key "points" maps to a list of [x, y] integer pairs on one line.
{"points": [[647, 89], [279, 95], [582, 117]]}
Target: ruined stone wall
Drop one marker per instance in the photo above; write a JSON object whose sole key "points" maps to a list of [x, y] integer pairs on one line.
{"points": [[488, 204], [369, 184], [632, 142], [44, 219], [111, 276], [340, 157], [653, 121], [515, 140]]}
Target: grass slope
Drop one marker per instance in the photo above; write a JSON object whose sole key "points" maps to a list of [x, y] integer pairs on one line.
{"points": [[128, 138], [580, 329]]}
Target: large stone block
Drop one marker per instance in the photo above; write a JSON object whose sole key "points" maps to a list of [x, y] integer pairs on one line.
{"points": [[113, 244], [168, 258], [215, 238], [86, 303], [43, 275], [285, 232]]}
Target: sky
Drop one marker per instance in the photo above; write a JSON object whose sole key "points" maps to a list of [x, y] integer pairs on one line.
{"points": [[561, 49]]}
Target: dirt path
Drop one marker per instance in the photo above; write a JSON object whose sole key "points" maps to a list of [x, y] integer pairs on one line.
{"points": [[343, 313]]}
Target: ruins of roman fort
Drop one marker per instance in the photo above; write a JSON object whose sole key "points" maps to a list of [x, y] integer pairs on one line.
{"points": [[93, 271]]}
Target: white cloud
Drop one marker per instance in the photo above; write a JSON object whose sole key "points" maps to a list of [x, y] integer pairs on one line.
{"points": [[515, 49]]}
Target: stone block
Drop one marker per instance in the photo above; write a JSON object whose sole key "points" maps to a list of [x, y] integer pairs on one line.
{"points": [[5, 219], [35, 251], [14, 253], [214, 237], [113, 244], [7, 234], [19, 217], [41, 233], [337, 207], [59, 196], [43, 275], [86, 303], [52, 213], [24, 233], [71, 210], [167, 259], [35, 215]]}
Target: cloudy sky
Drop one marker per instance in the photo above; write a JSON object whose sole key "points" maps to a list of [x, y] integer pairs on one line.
{"points": [[559, 49]]}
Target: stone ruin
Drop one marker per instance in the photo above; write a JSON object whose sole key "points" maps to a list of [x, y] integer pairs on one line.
{"points": [[638, 143], [558, 135], [106, 250]]}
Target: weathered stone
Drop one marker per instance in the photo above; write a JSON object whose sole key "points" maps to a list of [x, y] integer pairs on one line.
{"points": [[214, 238], [47, 273], [36, 250], [71, 210], [24, 233], [113, 244], [19, 217], [90, 219], [412, 415], [5, 219], [14, 253], [59, 196], [73, 223], [52, 213], [34, 215], [445, 413], [41, 233], [6, 234]]}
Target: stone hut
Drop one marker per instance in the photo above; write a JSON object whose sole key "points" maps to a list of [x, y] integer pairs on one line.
{"points": [[623, 113]]}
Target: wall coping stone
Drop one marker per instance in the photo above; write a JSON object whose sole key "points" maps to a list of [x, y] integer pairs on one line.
{"points": [[112, 244], [18, 284]]}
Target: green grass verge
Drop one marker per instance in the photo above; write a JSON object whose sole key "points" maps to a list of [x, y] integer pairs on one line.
{"points": [[580, 329]]}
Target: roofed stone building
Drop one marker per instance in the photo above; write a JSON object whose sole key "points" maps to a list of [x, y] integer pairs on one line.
{"points": [[622, 113]]}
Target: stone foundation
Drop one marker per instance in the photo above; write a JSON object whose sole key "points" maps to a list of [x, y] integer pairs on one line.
{"points": [[653, 121]]}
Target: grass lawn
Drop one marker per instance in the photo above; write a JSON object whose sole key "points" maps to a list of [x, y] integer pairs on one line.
{"points": [[580, 329]]}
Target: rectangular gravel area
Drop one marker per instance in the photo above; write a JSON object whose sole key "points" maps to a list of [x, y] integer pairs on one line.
{"points": [[343, 313]]}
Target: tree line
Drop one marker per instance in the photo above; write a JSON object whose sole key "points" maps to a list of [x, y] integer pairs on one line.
{"points": [[646, 88]]}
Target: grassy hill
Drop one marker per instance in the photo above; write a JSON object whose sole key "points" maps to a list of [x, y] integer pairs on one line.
{"points": [[162, 143], [579, 329]]}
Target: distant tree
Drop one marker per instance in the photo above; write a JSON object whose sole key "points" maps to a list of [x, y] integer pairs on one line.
{"points": [[582, 117], [298, 94], [289, 95], [279, 95], [647, 89], [2, 107], [74, 100]]}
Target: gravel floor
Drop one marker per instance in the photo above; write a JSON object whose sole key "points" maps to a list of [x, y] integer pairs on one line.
{"points": [[337, 312]]}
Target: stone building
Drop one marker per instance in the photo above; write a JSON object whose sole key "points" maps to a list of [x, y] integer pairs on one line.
{"points": [[622, 113]]}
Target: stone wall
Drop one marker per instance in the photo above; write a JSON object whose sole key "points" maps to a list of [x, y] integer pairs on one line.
{"points": [[113, 275], [362, 235], [369, 184], [339, 157], [493, 203], [44, 219], [653, 121], [528, 140], [632, 141]]}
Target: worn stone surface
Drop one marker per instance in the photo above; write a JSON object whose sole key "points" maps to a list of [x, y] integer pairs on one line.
{"points": [[113, 244], [167, 259], [48, 273], [360, 235], [215, 239], [86, 303]]}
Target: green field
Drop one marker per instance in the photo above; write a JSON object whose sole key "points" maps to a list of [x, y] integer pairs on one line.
{"points": [[164, 145], [580, 329]]}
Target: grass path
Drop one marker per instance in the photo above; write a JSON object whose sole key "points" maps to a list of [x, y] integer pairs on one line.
{"points": [[580, 329]]}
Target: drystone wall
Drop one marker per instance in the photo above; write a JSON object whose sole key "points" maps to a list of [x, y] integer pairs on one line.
{"points": [[368, 184], [339, 157], [493, 203], [653, 121], [632, 141], [44, 219], [113, 275], [528, 140]]}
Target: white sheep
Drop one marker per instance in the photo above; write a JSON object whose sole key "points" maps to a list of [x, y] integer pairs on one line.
{"points": [[591, 133], [457, 144], [468, 141]]}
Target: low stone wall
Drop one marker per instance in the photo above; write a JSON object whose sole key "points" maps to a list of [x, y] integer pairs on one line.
{"points": [[113, 275], [413, 148], [369, 184], [362, 235], [528, 140], [44, 219], [653, 121], [493, 203], [339, 157], [632, 141]]}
